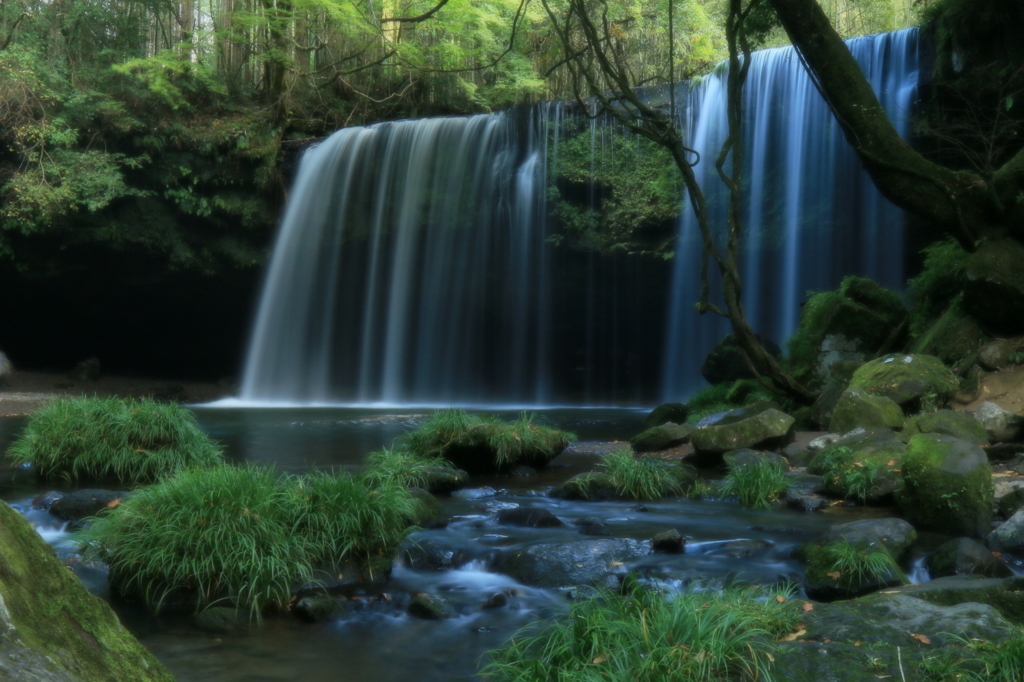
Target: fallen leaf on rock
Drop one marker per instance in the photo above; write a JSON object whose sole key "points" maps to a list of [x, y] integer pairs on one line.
{"points": [[923, 639], [793, 635], [891, 463], [616, 563], [834, 575], [113, 503], [599, 659], [998, 555], [808, 606], [780, 599]]}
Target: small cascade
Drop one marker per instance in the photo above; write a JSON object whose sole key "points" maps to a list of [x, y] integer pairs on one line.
{"points": [[812, 215]]}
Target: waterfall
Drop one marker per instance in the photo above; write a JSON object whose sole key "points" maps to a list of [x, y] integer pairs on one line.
{"points": [[811, 214], [415, 262]]}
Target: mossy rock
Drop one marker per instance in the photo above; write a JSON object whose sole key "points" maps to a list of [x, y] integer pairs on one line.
{"points": [[668, 412], [825, 580], [1011, 503], [825, 404], [1005, 594], [994, 292], [913, 381], [475, 452], [51, 628], [863, 466], [429, 512], [443, 480], [965, 556], [895, 535], [1009, 536], [857, 321], [953, 338], [761, 424], [592, 486], [726, 363], [859, 408], [735, 459], [429, 607], [947, 486], [661, 437], [949, 422]]}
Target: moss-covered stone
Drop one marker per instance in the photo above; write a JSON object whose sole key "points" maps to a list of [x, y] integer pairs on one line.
{"points": [[825, 404], [856, 322], [429, 607], [1011, 503], [947, 486], [827, 579], [761, 424], [736, 459], [726, 363], [949, 422], [1006, 594], [965, 556], [591, 486], [859, 408], [51, 628], [994, 292], [862, 466], [661, 437], [429, 512], [475, 450], [912, 381], [954, 338], [668, 412]]}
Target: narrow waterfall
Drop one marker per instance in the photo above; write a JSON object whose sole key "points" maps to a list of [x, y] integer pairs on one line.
{"points": [[418, 262], [812, 215]]}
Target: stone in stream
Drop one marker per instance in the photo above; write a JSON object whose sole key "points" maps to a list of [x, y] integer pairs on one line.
{"points": [[315, 609], [51, 628], [495, 601], [1011, 502], [864, 465], [965, 556], [87, 502], [1004, 594], [581, 562], [669, 412], [224, 620], [1001, 426], [591, 486], [668, 542], [896, 535], [858, 408], [444, 480], [591, 525], [45, 500], [475, 493], [759, 425], [530, 517], [429, 512], [429, 607], [947, 486]]}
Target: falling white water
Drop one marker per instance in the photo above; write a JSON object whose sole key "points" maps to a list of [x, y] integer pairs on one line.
{"points": [[811, 214]]}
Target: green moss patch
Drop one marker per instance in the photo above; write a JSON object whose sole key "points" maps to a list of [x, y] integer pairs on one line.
{"points": [[913, 381]]}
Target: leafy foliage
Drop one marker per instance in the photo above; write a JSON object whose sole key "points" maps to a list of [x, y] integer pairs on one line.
{"points": [[645, 636], [857, 565], [942, 278], [133, 441], [645, 478], [756, 485]]}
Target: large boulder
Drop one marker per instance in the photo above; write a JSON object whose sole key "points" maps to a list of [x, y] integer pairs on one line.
{"points": [[862, 465], [726, 363], [854, 323], [51, 628], [661, 437], [859, 408], [1001, 426], [1009, 536], [1005, 594], [947, 486], [965, 556], [954, 338], [667, 412], [737, 459], [896, 535], [78, 505], [994, 292], [759, 425], [912, 381], [563, 564], [949, 422], [997, 354]]}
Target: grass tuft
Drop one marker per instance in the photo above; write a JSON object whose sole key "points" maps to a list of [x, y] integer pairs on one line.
{"points": [[757, 485], [246, 536], [977, 661], [403, 466], [858, 564], [852, 479], [645, 478], [647, 637], [130, 441]]}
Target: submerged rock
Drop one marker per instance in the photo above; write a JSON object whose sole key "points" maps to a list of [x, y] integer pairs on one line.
{"points": [[429, 607], [225, 620], [592, 486], [759, 425], [661, 437], [591, 525], [530, 517], [668, 542], [444, 480], [316, 609], [947, 486], [912, 381], [581, 562], [51, 628]]}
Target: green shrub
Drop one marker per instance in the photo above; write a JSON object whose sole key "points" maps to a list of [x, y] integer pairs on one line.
{"points": [[131, 441], [246, 536], [509, 443], [858, 565], [941, 280], [645, 478], [757, 485], [646, 637]]}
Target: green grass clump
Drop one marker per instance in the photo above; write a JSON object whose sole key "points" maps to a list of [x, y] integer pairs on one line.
{"points": [[466, 438], [403, 466], [723, 397], [646, 637], [848, 477], [645, 478], [977, 661], [244, 535], [131, 441], [859, 564], [757, 485]]}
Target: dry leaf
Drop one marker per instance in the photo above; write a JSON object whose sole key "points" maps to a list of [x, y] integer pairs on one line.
{"points": [[599, 659], [780, 599], [616, 563], [998, 555], [808, 606], [923, 639], [113, 503], [793, 635], [579, 565], [857, 643], [834, 575]]}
